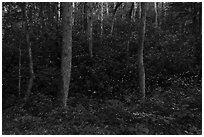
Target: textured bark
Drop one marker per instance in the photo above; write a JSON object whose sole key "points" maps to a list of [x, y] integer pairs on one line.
{"points": [[32, 76], [58, 22], [197, 18], [73, 12], [84, 17], [19, 71], [90, 29], [130, 16], [140, 51], [107, 9], [101, 36], [58, 14], [112, 24], [114, 5], [140, 10], [197, 29], [114, 13], [134, 11], [66, 49], [127, 52], [200, 18], [156, 16]]}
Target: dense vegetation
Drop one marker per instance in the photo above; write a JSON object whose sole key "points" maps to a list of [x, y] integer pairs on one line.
{"points": [[104, 93]]}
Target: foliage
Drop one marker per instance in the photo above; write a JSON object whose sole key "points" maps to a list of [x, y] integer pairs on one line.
{"points": [[91, 116], [103, 95]]}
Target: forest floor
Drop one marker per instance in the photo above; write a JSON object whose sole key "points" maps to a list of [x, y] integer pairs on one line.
{"points": [[165, 114]]}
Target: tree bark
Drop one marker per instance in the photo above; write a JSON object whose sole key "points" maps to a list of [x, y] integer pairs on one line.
{"points": [[90, 29], [58, 22], [84, 19], [101, 36], [197, 30], [73, 12], [134, 11], [140, 50], [66, 50], [140, 10], [32, 76], [112, 24], [19, 71], [107, 9], [114, 13], [156, 16], [127, 51], [58, 14]]}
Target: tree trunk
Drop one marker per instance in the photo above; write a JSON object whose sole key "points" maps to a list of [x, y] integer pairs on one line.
{"points": [[134, 11], [112, 24], [66, 49], [107, 9], [114, 5], [58, 13], [127, 51], [140, 50], [140, 10], [101, 36], [73, 12], [19, 71], [156, 19], [200, 18], [196, 20], [90, 29], [58, 22], [32, 76], [84, 20], [114, 13]]}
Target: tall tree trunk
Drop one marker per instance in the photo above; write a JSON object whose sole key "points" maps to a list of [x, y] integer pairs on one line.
{"points": [[114, 5], [58, 14], [66, 49], [19, 71], [112, 24], [90, 29], [107, 9], [200, 18], [101, 36], [134, 11], [114, 13], [32, 76], [130, 17], [140, 50], [58, 22], [58, 46], [140, 10], [128, 51], [84, 20], [73, 12], [197, 30], [156, 16]]}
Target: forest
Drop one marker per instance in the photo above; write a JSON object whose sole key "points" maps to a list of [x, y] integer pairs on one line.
{"points": [[101, 68]]}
